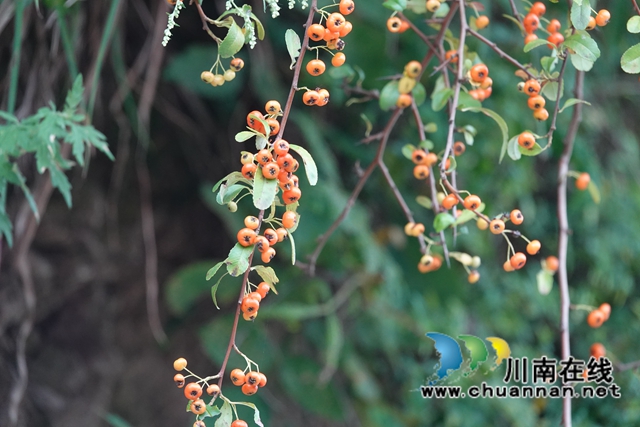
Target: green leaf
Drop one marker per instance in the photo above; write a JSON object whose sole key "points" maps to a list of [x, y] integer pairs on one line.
{"points": [[213, 270], [467, 101], [633, 24], [74, 97], [186, 285], [293, 247], [227, 194], [233, 41], [442, 11], [256, 413], [427, 144], [425, 202], [580, 13], [572, 101], [533, 151], [343, 72], [267, 274], [397, 5], [116, 421], [231, 179], [259, 27], [442, 221], [439, 99], [309, 164], [6, 227], [407, 151], [534, 44], [264, 191], [514, 20], [513, 148], [501, 123], [550, 90], [419, 94], [389, 96], [431, 127], [238, 260], [292, 40], [465, 216], [226, 416], [630, 61], [544, 278], [244, 135], [594, 192], [549, 62], [61, 182], [261, 142], [214, 290], [585, 48]]}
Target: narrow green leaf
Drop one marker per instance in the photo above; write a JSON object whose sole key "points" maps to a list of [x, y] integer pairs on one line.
{"points": [[465, 216], [630, 61], [292, 40], [6, 228], [594, 192], [74, 97], [572, 101], [259, 27], [534, 44], [514, 20], [513, 148], [233, 41], [256, 413], [228, 193], [213, 270], [293, 247], [633, 24], [214, 290], [580, 14], [264, 191], [238, 260], [309, 164], [442, 221], [389, 96], [549, 62], [501, 123]]}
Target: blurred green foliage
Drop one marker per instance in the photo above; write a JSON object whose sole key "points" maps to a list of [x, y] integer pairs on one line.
{"points": [[363, 357]]}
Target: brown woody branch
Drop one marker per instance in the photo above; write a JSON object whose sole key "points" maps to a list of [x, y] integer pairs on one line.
{"points": [[502, 54]]}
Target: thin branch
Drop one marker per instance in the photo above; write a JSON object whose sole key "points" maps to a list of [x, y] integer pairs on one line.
{"points": [[563, 238], [502, 54], [556, 109], [628, 366], [322, 240], [205, 23], [635, 6], [514, 10]]}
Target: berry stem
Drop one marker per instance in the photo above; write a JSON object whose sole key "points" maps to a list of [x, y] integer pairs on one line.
{"points": [[556, 109], [502, 54], [514, 10], [583, 307]]}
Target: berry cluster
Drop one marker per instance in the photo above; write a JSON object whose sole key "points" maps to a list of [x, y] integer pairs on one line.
{"points": [[248, 236], [251, 301], [602, 18], [250, 381], [218, 79], [423, 163], [407, 83], [193, 390], [479, 78], [598, 316], [536, 102], [332, 33]]}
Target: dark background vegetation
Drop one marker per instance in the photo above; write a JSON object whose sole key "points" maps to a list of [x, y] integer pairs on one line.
{"points": [[91, 356]]}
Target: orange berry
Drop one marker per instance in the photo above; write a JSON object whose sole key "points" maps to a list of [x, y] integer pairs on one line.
{"points": [[496, 226], [237, 64], [582, 182], [271, 236], [262, 244], [249, 305], [346, 29], [270, 170], [536, 102], [264, 156], [291, 196], [459, 148], [404, 26], [541, 114], [481, 22], [554, 26], [316, 32], [603, 17], [263, 289], [335, 21], [605, 308], [516, 217], [451, 56], [526, 140], [280, 147], [597, 350], [538, 8], [507, 266], [249, 389], [450, 201], [555, 39], [531, 87], [239, 423], [274, 126], [249, 170], [552, 263], [338, 59], [246, 237], [179, 380], [531, 22], [330, 36], [479, 72], [419, 156], [282, 234], [324, 96], [404, 100], [237, 377], [596, 318], [213, 390], [289, 219], [534, 247], [347, 6], [592, 23], [179, 364], [472, 202], [431, 159], [315, 67], [198, 407], [262, 379], [251, 222], [268, 255], [193, 391], [530, 37], [310, 97], [518, 260], [487, 83], [273, 107], [473, 277], [253, 378], [421, 171]]}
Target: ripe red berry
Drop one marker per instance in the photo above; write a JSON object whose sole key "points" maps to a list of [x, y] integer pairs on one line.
{"points": [[531, 87], [198, 407], [193, 391], [552, 263], [518, 260], [450, 201], [596, 318], [250, 305], [246, 237], [249, 170], [263, 289], [239, 423], [213, 390], [554, 26], [538, 8], [316, 32], [315, 67], [179, 380], [237, 377], [478, 73], [249, 389], [531, 22]]}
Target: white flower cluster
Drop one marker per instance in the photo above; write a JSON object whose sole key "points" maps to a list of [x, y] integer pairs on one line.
{"points": [[228, 5], [292, 3], [275, 8], [172, 22], [250, 27]]}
